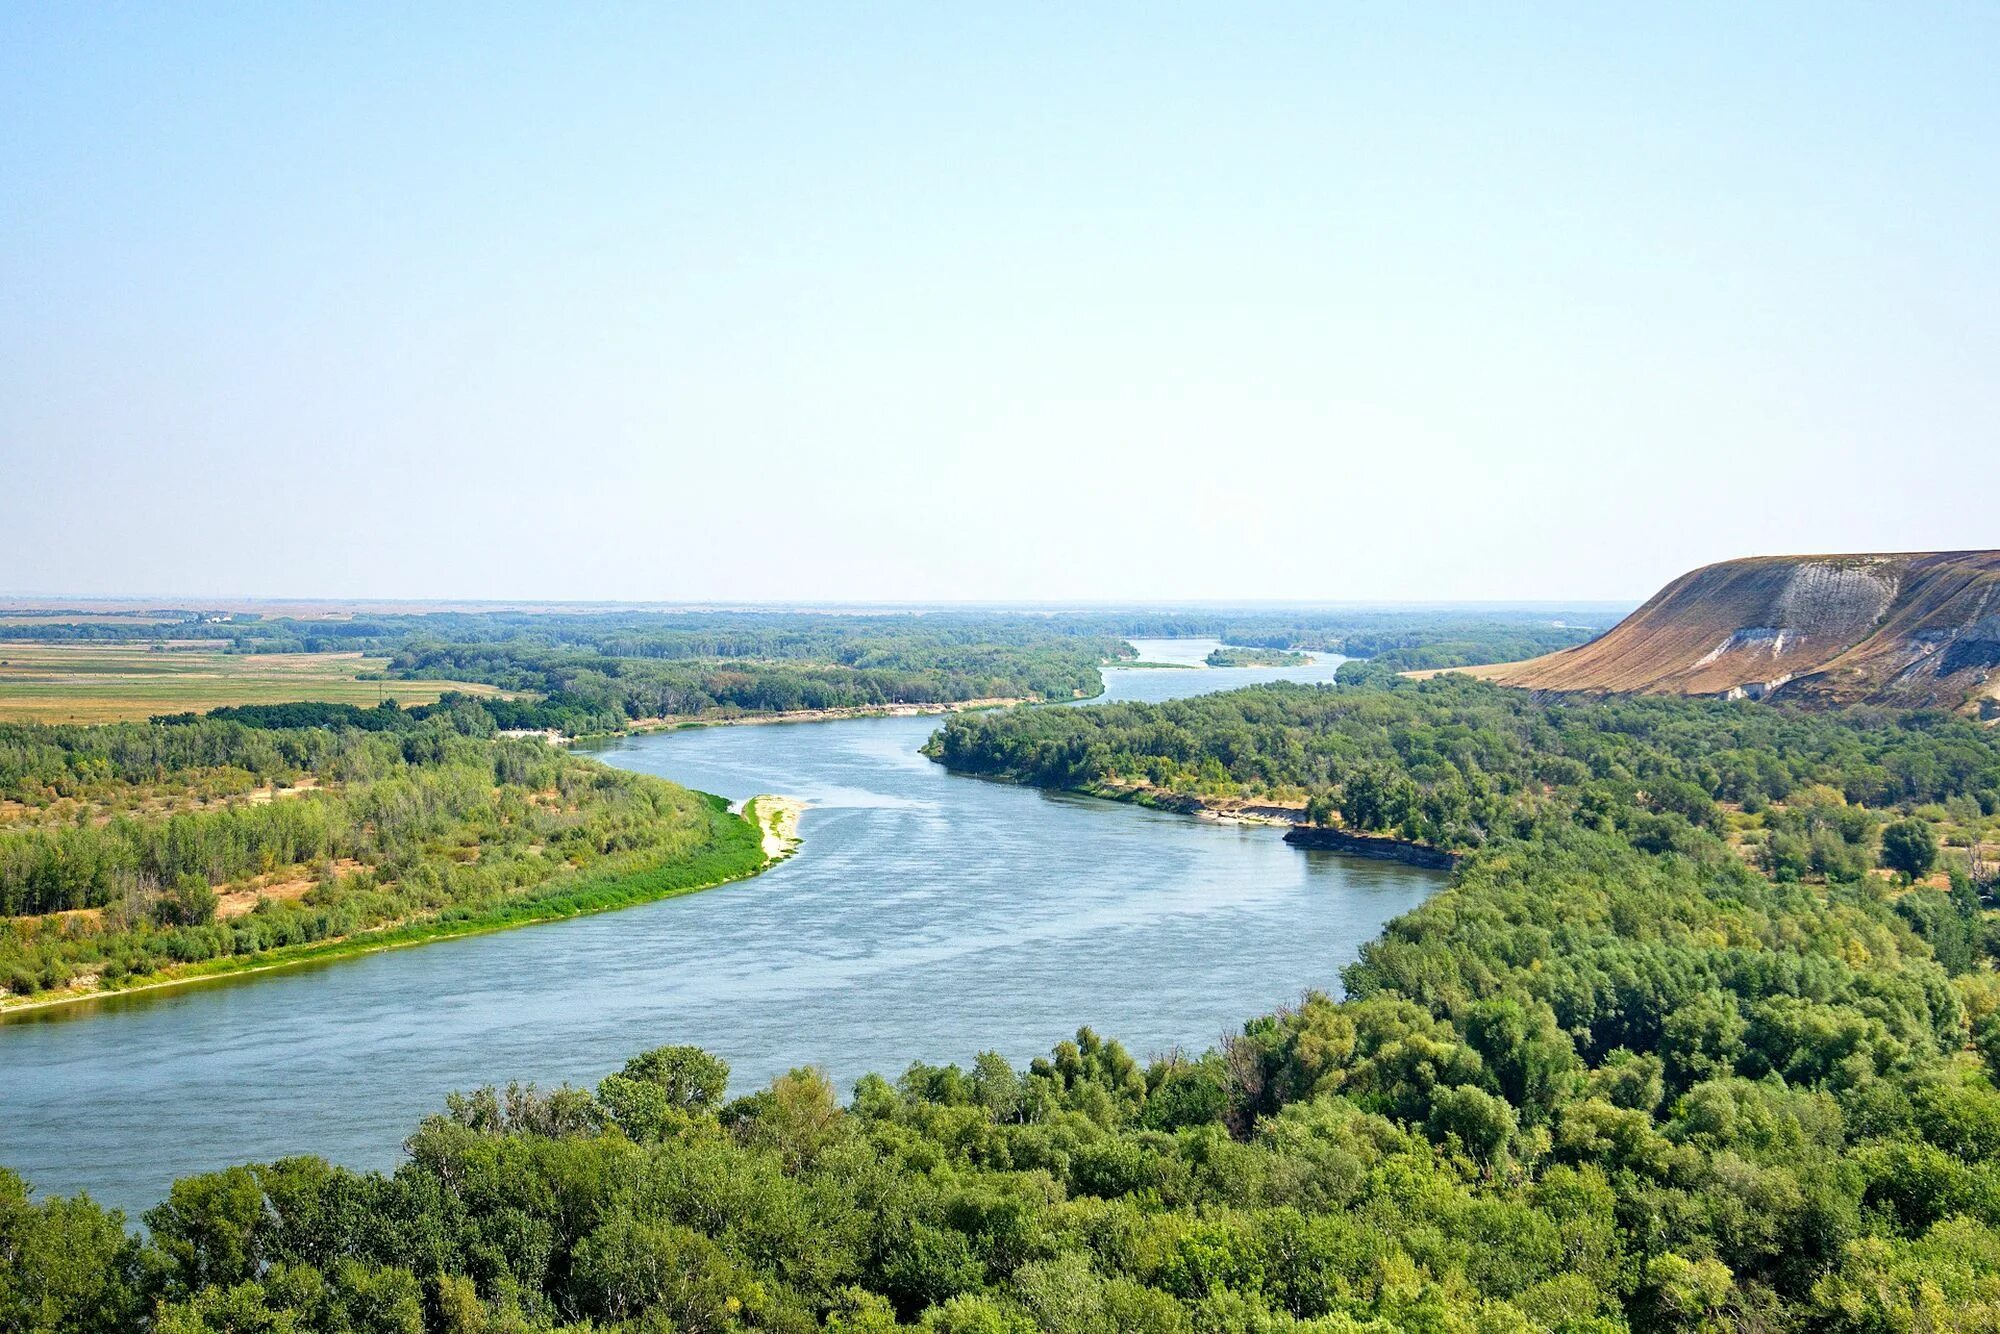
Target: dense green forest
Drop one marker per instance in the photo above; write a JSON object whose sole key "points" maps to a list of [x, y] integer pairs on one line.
{"points": [[1229, 656], [1643, 1065], [1456, 762], [132, 850], [1404, 640], [585, 690]]}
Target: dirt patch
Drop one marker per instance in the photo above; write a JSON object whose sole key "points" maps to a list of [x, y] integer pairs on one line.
{"points": [[1261, 809], [284, 887], [264, 796], [36, 921], [1938, 880]]}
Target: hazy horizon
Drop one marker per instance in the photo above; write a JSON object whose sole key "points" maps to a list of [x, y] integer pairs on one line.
{"points": [[208, 602], [903, 305]]}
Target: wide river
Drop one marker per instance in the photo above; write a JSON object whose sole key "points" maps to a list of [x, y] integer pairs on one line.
{"points": [[927, 917]]}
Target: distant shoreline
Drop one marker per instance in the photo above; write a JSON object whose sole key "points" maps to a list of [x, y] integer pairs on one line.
{"points": [[640, 726]]}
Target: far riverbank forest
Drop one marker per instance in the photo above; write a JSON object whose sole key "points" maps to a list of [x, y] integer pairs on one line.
{"points": [[1702, 1035], [1255, 657], [579, 672]]}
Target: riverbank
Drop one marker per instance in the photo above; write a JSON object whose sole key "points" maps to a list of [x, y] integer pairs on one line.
{"points": [[640, 726], [1224, 810], [1379, 847], [919, 915], [743, 847], [777, 819], [1285, 814]]}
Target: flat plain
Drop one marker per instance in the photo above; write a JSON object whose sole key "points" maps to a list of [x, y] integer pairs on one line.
{"points": [[100, 683]]}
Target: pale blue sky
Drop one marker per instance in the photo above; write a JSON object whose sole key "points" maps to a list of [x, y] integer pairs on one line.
{"points": [[934, 301]]}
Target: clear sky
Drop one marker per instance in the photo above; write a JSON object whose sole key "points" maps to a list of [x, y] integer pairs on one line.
{"points": [[922, 302]]}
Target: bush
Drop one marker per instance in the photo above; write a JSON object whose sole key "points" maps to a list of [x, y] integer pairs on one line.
{"points": [[1910, 848]]}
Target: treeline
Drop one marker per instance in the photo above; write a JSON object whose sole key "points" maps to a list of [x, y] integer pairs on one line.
{"points": [[1231, 656], [1418, 642], [908, 640], [429, 819], [1457, 762], [256, 743], [1453, 648], [581, 672], [613, 691], [900, 641], [1466, 638], [1585, 1089]]}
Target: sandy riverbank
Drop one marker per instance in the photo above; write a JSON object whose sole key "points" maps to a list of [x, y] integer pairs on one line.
{"points": [[1227, 810], [1288, 815], [777, 819]]}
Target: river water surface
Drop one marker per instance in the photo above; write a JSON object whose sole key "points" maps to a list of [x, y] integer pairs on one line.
{"points": [[927, 917]]}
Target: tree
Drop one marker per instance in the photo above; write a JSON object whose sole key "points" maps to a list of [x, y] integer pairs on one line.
{"points": [[189, 903], [210, 1227], [1691, 1294], [659, 1090], [1910, 848], [630, 1266], [799, 1116], [1481, 1123], [692, 1079], [927, 1265], [1364, 800], [66, 1266], [996, 1085]]}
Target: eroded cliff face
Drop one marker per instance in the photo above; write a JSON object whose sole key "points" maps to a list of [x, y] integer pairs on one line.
{"points": [[1920, 630]]}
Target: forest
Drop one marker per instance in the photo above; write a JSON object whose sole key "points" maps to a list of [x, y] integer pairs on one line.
{"points": [[603, 674], [580, 690], [1230, 656], [1692, 1041], [584, 672], [136, 851], [1456, 762]]}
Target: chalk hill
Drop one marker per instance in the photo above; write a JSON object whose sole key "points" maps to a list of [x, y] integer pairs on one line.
{"points": [[1917, 629]]}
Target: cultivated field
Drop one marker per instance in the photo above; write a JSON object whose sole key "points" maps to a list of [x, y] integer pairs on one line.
{"points": [[98, 683]]}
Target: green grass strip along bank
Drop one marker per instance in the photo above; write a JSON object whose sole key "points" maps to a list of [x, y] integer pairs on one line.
{"points": [[735, 852]]}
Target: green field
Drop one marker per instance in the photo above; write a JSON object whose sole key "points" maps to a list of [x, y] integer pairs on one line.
{"points": [[100, 683]]}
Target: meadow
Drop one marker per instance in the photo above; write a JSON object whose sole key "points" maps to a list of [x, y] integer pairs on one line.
{"points": [[102, 683]]}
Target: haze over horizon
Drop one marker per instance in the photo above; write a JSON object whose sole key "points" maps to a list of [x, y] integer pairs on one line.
{"points": [[904, 305]]}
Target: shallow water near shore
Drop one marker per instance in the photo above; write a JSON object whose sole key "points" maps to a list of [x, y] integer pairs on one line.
{"points": [[927, 916]]}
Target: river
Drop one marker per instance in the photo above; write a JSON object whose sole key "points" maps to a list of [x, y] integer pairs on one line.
{"points": [[928, 916]]}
